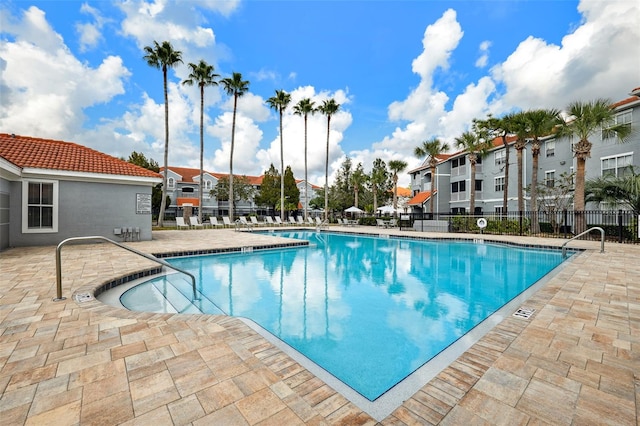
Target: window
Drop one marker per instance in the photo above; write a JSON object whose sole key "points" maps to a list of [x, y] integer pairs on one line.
{"points": [[550, 178], [500, 157], [459, 186], [171, 182], [478, 185], [550, 148], [622, 118], [499, 184], [207, 184], [40, 206], [618, 166]]}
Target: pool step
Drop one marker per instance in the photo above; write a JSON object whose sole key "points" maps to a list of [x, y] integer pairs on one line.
{"points": [[179, 294]]}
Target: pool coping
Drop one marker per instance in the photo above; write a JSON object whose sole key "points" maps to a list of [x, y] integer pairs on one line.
{"points": [[572, 362], [383, 406]]}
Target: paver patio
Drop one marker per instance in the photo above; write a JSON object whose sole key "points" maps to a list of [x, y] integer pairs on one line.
{"points": [[575, 361]]}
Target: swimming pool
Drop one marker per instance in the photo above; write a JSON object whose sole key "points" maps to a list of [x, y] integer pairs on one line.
{"points": [[368, 310]]}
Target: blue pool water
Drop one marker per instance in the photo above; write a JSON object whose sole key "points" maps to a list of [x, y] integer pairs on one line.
{"points": [[368, 310]]}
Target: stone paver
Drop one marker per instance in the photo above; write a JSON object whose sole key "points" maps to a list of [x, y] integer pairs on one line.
{"points": [[576, 361]]}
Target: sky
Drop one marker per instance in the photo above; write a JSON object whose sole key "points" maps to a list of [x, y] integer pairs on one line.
{"points": [[403, 72]]}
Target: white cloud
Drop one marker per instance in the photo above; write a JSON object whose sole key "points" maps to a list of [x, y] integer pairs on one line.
{"points": [[47, 87], [483, 59], [593, 61], [89, 34]]}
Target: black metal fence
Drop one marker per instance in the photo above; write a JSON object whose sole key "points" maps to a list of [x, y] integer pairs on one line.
{"points": [[620, 226]]}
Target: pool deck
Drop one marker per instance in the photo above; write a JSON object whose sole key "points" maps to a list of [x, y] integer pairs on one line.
{"points": [[576, 361]]}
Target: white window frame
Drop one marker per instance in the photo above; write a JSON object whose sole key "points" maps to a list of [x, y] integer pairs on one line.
{"points": [[498, 186], [546, 178], [25, 208], [624, 117], [171, 183], [550, 148], [616, 158], [500, 157]]}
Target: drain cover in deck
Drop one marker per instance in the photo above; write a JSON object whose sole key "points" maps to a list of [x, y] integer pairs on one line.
{"points": [[524, 313], [83, 297]]}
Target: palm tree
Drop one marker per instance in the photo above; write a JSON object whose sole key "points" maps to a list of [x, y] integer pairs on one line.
{"points": [[234, 86], [396, 166], [623, 191], [519, 128], [201, 74], [163, 56], [304, 107], [476, 146], [279, 102], [540, 123], [585, 119], [328, 108], [431, 148], [501, 128]]}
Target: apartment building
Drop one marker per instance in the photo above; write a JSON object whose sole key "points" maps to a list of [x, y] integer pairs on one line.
{"points": [[183, 188], [453, 184]]}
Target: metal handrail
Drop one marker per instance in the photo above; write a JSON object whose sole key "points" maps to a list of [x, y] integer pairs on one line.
{"points": [[324, 223], [139, 253], [595, 228]]}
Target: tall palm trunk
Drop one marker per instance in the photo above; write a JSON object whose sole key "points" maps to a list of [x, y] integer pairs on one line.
{"points": [[201, 151], [505, 194], [433, 188], [519, 154], [306, 181], [472, 186], [326, 173], [583, 151], [163, 203], [281, 170], [233, 137], [535, 155]]}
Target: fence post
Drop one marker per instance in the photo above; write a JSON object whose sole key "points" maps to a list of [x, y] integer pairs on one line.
{"points": [[565, 215], [520, 220], [619, 226]]}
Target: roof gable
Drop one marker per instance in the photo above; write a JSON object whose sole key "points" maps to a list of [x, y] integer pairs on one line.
{"points": [[37, 153]]}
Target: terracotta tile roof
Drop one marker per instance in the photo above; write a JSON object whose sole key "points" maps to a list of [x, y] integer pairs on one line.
{"points": [[188, 174], [419, 198], [29, 152], [402, 192]]}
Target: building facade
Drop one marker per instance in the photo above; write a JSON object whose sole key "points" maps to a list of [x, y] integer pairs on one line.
{"points": [[183, 189], [453, 184], [53, 190]]}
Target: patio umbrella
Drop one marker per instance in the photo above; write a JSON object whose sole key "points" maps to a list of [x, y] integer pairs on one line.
{"points": [[353, 209], [387, 209]]}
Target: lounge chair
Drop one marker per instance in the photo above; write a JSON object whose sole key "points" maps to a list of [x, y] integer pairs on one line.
{"points": [[270, 221], [380, 223], [193, 221], [279, 221], [292, 221], [254, 221], [393, 223], [227, 222], [318, 220], [180, 223], [214, 222], [310, 221], [300, 220]]}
